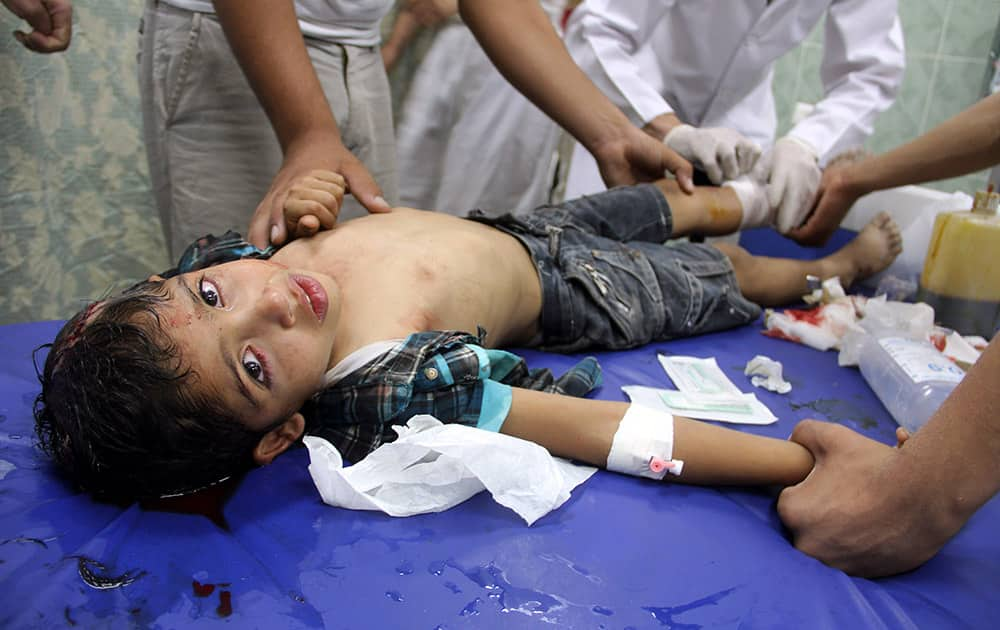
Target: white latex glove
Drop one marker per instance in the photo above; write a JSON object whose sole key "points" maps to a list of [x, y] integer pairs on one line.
{"points": [[722, 153], [791, 172]]}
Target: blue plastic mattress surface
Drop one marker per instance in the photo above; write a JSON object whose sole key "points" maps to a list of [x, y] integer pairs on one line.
{"points": [[622, 552]]}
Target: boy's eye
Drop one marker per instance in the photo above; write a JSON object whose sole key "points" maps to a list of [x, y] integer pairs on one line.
{"points": [[253, 365], [209, 292]]}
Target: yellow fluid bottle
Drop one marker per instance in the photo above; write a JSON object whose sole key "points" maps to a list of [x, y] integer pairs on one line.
{"points": [[961, 277]]}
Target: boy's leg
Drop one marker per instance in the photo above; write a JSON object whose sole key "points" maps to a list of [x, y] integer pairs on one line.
{"points": [[651, 213], [709, 211], [779, 281]]}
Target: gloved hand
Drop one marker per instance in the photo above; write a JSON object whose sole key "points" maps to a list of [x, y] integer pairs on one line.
{"points": [[791, 172], [722, 153]]}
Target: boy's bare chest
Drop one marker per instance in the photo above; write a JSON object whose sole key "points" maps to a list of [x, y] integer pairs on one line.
{"points": [[397, 281]]}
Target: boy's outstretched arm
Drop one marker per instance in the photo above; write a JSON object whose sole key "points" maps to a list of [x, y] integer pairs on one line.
{"points": [[584, 429]]}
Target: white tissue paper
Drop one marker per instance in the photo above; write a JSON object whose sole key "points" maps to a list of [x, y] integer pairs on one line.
{"points": [[820, 327], [766, 372], [433, 466], [961, 350], [882, 317]]}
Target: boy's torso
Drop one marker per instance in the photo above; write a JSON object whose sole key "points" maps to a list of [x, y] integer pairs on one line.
{"points": [[412, 271]]}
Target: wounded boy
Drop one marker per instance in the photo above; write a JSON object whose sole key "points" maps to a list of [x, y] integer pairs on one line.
{"points": [[182, 381]]}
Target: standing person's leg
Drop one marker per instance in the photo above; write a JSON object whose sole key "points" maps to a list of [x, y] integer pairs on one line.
{"points": [[212, 153], [434, 101], [500, 152], [357, 88]]}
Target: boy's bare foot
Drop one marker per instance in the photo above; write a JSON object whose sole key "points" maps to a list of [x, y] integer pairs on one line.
{"points": [[871, 251]]}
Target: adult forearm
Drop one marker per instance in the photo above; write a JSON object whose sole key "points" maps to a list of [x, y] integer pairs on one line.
{"points": [[519, 38], [956, 455], [872, 510], [965, 143], [265, 38]]}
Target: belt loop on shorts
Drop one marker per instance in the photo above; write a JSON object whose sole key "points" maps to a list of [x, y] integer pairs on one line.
{"points": [[555, 236]]}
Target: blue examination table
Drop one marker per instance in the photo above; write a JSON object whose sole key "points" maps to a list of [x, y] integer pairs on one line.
{"points": [[621, 553]]}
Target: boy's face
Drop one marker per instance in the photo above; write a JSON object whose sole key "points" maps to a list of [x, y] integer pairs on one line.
{"points": [[257, 334]]}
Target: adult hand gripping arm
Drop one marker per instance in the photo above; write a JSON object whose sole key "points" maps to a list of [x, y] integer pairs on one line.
{"points": [[872, 510], [265, 38], [967, 142]]}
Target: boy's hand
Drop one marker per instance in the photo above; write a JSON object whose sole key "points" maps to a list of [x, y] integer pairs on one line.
{"points": [[51, 22], [313, 203], [268, 225], [390, 55]]}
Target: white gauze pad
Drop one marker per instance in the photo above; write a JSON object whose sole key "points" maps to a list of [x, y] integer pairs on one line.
{"points": [[644, 444], [753, 198]]}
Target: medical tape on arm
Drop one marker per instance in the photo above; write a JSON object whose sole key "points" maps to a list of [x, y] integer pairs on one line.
{"points": [[644, 444]]}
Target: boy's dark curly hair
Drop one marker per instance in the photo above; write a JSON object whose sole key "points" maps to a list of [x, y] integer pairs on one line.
{"points": [[118, 411]]}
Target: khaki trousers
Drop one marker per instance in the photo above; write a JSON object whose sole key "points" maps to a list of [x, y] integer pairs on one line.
{"points": [[212, 153]]}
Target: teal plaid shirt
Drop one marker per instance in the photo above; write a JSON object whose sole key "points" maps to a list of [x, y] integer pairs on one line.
{"points": [[448, 375]]}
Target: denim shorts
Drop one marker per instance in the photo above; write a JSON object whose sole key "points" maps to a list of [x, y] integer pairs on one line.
{"points": [[609, 279]]}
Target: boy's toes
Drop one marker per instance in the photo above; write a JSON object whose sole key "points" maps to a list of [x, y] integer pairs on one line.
{"points": [[894, 237]]}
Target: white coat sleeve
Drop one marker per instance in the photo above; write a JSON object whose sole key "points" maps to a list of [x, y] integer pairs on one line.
{"points": [[862, 68], [602, 36]]}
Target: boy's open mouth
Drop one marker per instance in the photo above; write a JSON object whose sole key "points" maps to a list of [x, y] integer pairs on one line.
{"points": [[312, 295]]}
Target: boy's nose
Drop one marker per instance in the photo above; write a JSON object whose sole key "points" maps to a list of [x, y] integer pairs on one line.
{"points": [[275, 305]]}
